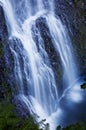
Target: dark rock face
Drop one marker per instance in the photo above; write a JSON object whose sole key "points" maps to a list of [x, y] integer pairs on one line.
{"points": [[73, 15], [21, 108], [3, 37], [18, 60], [6, 57], [3, 27]]}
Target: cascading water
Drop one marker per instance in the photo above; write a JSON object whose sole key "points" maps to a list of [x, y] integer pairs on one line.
{"points": [[41, 95], [41, 81]]}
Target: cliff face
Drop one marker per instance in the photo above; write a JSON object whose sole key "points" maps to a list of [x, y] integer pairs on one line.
{"points": [[3, 39], [7, 79], [73, 14]]}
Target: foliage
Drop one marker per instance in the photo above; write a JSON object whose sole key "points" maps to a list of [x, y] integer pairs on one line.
{"points": [[77, 126], [59, 128], [83, 86], [9, 120]]}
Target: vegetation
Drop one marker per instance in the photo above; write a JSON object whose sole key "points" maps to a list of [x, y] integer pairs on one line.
{"points": [[77, 126], [9, 120], [83, 86]]}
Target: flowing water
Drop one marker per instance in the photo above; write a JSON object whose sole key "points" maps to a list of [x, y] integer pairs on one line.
{"points": [[37, 86]]}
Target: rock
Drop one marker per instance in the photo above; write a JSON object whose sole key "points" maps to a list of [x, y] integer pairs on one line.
{"points": [[3, 27], [21, 108]]}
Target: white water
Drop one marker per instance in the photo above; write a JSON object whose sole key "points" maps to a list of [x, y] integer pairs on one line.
{"points": [[42, 90]]}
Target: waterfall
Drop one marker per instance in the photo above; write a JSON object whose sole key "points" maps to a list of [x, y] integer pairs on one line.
{"points": [[37, 86]]}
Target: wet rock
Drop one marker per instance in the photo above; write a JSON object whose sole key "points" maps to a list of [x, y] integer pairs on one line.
{"points": [[21, 108], [3, 36], [3, 27]]}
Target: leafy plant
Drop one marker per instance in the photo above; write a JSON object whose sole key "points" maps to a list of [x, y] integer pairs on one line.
{"points": [[9, 120], [83, 86]]}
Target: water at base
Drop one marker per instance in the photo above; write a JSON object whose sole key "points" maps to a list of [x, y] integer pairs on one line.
{"points": [[36, 81]]}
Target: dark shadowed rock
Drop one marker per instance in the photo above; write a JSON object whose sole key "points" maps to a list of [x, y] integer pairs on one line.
{"points": [[21, 108], [3, 27], [3, 37]]}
